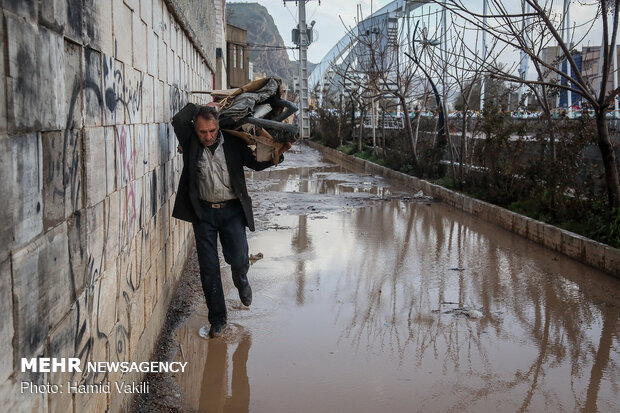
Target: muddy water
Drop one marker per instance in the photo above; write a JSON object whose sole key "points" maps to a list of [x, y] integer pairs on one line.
{"points": [[360, 301]]}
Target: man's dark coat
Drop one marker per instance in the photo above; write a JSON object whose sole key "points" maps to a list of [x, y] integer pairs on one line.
{"points": [[238, 155]]}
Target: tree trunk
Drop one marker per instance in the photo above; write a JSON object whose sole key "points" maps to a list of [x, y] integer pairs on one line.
{"points": [[409, 131], [360, 137], [609, 160], [463, 150]]}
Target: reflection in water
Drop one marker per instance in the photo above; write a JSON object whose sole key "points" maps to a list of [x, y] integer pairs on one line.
{"points": [[214, 396], [434, 261], [209, 386], [300, 243], [389, 274], [362, 315]]}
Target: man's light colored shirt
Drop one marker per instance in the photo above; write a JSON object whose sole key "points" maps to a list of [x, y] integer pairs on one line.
{"points": [[213, 177]]}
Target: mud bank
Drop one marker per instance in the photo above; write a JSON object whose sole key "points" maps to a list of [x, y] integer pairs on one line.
{"points": [[370, 299]]}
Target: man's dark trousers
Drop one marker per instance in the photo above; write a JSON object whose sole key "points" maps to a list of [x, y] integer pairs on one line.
{"points": [[229, 223]]}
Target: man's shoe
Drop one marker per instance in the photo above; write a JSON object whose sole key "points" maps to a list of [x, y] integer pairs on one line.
{"points": [[216, 330], [245, 294]]}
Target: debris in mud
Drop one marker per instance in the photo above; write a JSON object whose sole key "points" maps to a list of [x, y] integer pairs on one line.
{"points": [[456, 269], [466, 311], [469, 312], [417, 197], [254, 258]]}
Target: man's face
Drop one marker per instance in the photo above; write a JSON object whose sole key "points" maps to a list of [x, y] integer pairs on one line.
{"points": [[207, 130]]}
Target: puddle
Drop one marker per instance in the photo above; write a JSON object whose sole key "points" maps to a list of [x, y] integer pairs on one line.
{"points": [[366, 302]]}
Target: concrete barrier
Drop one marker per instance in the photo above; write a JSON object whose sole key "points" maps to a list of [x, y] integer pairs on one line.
{"points": [[585, 250]]}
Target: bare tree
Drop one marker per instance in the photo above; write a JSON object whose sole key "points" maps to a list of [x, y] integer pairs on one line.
{"points": [[536, 25], [378, 69]]}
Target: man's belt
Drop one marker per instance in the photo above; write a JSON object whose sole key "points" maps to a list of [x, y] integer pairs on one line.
{"points": [[218, 205]]}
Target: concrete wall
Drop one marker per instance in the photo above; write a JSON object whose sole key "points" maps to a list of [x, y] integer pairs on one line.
{"points": [[90, 254], [596, 254]]}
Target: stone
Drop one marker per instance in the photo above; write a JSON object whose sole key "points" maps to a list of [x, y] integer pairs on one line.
{"points": [[139, 44], [125, 153], [113, 91], [53, 195], [552, 237], [612, 261], [147, 99], [153, 52], [6, 327], [144, 256], [164, 142], [172, 60], [8, 189], [95, 242], [94, 166], [105, 302], [137, 323], [160, 266], [141, 149], [41, 288], [3, 97], [24, 8], [109, 136], [92, 402], [73, 179], [14, 401], [132, 96], [154, 153], [133, 197], [134, 5], [158, 21], [112, 229], [155, 245], [98, 25], [158, 101], [162, 60], [25, 187], [146, 198], [93, 96], [62, 344], [76, 233], [122, 20], [573, 245], [146, 11], [74, 29], [520, 224], [23, 75], [168, 26], [595, 253], [51, 80], [73, 86]]}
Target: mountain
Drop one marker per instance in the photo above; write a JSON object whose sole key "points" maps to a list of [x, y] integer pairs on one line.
{"points": [[266, 45]]}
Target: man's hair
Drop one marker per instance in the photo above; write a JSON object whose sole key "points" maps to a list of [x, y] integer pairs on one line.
{"points": [[206, 112]]}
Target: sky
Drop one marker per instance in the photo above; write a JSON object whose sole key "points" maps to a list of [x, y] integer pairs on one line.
{"points": [[328, 25], [331, 14]]}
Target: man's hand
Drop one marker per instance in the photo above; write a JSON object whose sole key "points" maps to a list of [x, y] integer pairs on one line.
{"points": [[287, 146]]}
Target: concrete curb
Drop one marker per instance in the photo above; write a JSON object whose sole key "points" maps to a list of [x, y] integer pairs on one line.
{"points": [[580, 248]]}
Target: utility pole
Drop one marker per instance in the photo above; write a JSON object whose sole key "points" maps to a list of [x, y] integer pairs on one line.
{"points": [[484, 52], [302, 38], [567, 40]]}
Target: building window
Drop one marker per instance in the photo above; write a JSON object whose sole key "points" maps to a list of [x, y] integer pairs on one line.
{"points": [[241, 57], [234, 55]]}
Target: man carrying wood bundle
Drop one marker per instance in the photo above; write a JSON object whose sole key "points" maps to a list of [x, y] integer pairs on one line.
{"points": [[213, 196]]}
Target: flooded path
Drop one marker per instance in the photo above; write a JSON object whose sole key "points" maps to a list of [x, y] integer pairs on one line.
{"points": [[370, 300]]}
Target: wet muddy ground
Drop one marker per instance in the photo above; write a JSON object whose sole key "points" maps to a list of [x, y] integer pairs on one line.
{"points": [[369, 298]]}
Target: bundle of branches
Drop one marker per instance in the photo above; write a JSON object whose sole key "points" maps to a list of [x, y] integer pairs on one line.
{"points": [[255, 113]]}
